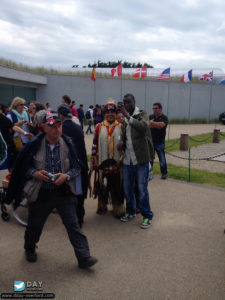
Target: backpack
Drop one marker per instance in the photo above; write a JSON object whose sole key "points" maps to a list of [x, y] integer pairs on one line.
{"points": [[88, 115]]}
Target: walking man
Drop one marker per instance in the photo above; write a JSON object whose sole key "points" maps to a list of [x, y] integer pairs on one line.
{"points": [[158, 123], [136, 138], [89, 117], [48, 172]]}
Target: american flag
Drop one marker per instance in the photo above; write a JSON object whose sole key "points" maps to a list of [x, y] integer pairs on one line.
{"points": [[207, 76], [165, 74]]}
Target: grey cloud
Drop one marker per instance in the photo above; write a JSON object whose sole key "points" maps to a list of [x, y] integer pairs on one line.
{"points": [[109, 30]]}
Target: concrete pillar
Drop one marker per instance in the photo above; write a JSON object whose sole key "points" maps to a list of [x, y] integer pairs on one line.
{"points": [[184, 142], [216, 136]]}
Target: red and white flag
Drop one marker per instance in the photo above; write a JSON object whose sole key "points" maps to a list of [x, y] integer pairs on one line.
{"points": [[117, 71], [140, 73]]}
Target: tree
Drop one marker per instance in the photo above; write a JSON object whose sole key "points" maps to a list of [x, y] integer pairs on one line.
{"points": [[113, 64]]}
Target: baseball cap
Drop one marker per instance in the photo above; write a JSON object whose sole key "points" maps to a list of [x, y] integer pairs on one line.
{"points": [[64, 110], [110, 105], [51, 118]]}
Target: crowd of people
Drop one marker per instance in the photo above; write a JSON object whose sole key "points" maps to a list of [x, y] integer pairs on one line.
{"points": [[45, 153]]}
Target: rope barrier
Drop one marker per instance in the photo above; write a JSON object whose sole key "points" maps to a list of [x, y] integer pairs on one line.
{"points": [[204, 158], [200, 141], [173, 144]]}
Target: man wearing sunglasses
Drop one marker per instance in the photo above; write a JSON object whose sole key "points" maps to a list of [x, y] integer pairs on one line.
{"points": [[158, 123]]}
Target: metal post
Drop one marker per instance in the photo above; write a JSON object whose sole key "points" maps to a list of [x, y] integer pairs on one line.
{"points": [[189, 164], [121, 88], [168, 100], [210, 100], [145, 95], [168, 136], [189, 109], [94, 93]]}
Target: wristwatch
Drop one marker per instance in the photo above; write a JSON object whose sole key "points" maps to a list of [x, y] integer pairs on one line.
{"points": [[68, 178]]}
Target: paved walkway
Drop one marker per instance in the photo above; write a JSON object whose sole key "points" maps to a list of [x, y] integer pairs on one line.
{"points": [[180, 257]]}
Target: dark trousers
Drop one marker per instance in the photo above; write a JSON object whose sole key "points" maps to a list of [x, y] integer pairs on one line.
{"points": [[80, 209], [66, 207], [89, 126]]}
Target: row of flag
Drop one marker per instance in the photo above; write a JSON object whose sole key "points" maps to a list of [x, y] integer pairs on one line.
{"points": [[142, 72]]}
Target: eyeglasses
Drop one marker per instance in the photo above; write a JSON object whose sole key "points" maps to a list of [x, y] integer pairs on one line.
{"points": [[22, 104]]}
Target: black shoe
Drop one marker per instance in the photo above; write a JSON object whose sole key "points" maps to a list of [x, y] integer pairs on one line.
{"points": [[164, 176], [87, 262], [31, 255]]}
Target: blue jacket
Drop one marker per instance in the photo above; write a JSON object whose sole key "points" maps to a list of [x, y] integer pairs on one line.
{"points": [[75, 132]]}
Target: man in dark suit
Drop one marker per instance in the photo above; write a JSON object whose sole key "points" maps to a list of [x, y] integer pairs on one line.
{"points": [[75, 132]]}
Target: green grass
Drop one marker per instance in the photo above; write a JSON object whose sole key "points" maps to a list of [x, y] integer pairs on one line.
{"points": [[196, 176], [191, 143]]}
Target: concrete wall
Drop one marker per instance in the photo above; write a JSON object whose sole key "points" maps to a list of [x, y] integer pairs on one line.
{"points": [[20, 76], [179, 100]]}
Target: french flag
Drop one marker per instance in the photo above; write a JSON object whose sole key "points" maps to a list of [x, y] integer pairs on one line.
{"points": [[222, 81], [186, 77]]}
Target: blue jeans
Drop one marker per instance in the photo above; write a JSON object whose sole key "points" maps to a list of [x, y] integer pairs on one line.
{"points": [[89, 126], [140, 174], [160, 150]]}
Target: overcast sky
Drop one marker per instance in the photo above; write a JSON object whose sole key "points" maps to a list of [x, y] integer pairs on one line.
{"points": [[163, 33]]}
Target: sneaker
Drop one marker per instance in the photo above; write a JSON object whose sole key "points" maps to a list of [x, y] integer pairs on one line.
{"points": [[164, 176], [127, 217], [87, 262], [31, 255], [146, 223]]}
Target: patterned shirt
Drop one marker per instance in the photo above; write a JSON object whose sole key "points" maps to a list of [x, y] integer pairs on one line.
{"points": [[53, 165]]}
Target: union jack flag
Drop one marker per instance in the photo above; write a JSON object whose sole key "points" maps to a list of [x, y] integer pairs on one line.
{"points": [[207, 76], [165, 74]]}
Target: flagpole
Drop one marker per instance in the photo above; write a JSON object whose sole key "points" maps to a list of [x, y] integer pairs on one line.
{"points": [[168, 102], [189, 109], [145, 94], [94, 93], [121, 84], [210, 100]]}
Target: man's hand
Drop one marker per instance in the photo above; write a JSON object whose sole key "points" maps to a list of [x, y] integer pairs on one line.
{"points": [[151, 123], [20, 123], [156, 125], [124, 111], [61, 178], [41, 175]]}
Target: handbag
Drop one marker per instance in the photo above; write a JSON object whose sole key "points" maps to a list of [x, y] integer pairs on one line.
{"points": [[18, 143]]}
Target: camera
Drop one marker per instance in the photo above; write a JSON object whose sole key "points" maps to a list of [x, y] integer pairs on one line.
{"points": [[51, 177]]}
